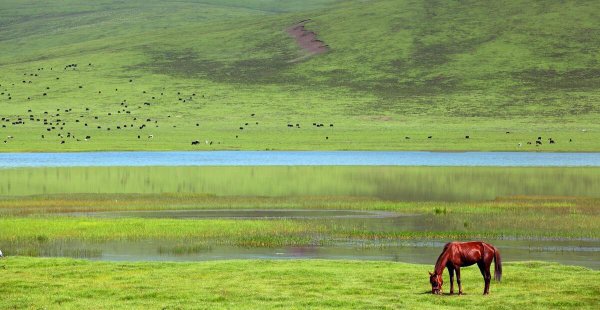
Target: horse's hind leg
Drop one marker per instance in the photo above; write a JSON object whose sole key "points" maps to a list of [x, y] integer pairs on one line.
{"points": [[451, 273], [487, 276], [457, 270]]}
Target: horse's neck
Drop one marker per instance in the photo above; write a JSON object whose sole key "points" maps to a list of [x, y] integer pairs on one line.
{"points": [[441, 263]]}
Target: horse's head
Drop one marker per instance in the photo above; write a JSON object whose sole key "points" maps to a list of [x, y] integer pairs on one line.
{"points": [[436, 283]]}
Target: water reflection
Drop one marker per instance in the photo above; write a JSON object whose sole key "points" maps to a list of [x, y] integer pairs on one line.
{"points": [[395, 183], [581, 253]]}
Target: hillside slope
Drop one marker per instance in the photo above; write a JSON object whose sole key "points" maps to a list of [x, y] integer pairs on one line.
{"points": [[393, 70]]}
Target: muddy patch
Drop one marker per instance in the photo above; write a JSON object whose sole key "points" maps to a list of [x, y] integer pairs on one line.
{"points": [[307, 40]]}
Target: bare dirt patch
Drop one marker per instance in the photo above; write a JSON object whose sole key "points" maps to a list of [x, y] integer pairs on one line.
{"points": [[307, 39]]}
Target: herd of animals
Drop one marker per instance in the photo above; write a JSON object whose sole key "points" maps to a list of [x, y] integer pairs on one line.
{"points": [[64, 125]]}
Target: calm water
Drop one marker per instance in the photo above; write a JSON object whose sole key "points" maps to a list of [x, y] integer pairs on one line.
{"points": [[383, 182], [576, 252], [571, 252], [298, 158], [241, 214]]}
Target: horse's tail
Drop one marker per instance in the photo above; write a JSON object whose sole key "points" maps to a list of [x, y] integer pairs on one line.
{"points": [[497, 265]]}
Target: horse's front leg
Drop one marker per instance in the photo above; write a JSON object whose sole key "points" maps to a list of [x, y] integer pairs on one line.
{"points": [[457, 270], [451, 273]]}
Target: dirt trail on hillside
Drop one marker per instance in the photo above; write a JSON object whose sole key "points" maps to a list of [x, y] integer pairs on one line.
{"points": [[307, 39]]}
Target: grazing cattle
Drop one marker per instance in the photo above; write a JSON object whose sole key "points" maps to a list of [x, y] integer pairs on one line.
{"points": [[552, 141], [407, 138], [429, 137], [195, 142], [538, 142], [463, 254], [150, 136], [467, 137]]}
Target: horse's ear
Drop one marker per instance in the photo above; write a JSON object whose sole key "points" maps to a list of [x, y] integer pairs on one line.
{"points": [[430, 273]]}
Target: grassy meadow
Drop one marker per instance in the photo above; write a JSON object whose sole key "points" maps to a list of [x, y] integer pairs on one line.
{"points": [[199, 70], [69, 284]]}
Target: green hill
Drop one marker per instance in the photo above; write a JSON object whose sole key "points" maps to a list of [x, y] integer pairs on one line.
{"points": [[396, 73]]}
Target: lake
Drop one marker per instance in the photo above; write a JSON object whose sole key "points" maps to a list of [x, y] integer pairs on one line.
{"points": [[299, 158]]}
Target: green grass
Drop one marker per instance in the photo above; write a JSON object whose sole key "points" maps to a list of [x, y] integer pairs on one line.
{"points": [[31, 228], [454, 203], [69, 284], [395, 69]]}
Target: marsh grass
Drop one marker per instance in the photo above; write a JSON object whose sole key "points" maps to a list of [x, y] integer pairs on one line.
{"points": [[517, 218]]}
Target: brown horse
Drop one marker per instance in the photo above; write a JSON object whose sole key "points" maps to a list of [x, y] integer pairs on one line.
{"points": [[459, 254]]}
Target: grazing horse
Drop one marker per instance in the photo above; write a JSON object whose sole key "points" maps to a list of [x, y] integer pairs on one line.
{"points": [[459, 254]]}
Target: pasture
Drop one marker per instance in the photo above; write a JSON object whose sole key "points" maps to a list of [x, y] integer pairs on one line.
{"points": [[101, 70], [67, 283]]}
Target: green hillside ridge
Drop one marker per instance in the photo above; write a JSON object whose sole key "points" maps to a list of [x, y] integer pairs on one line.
{"points": [[396, 73]]}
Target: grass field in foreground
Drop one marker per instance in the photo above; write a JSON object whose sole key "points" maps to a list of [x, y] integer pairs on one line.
{"points": [[71, 284]]}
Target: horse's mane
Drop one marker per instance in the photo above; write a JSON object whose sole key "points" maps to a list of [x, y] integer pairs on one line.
{"points": [[441, 261]]}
